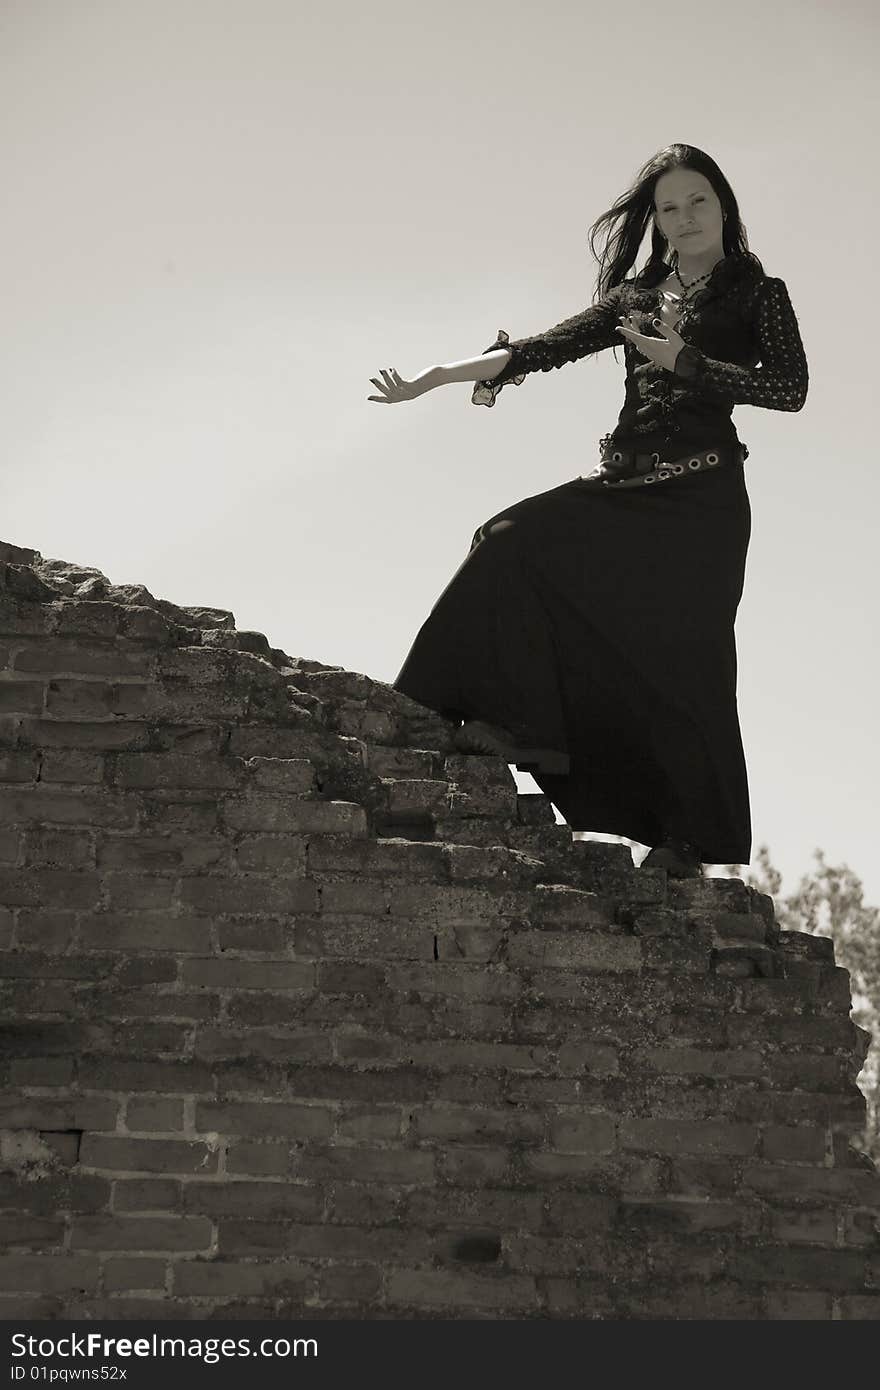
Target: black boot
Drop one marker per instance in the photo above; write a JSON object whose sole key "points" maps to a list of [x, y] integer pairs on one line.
{"points": [[680, 858]]}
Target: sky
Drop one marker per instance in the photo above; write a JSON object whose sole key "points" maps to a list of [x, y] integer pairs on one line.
{"points": [[222, 217]]}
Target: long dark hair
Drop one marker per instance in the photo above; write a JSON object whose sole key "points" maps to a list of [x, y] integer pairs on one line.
{"points": [[625, 223]]}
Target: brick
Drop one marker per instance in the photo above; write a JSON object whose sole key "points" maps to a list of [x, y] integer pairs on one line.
{"points": [[153, 1115], [251, 893], [55, 1193], [81, 1112], [694, 1062], [452, 1289], [147, 971], [349, 1284], [693, 1301], [126, 891], [293, 1047], [292, 775], [804, 1228], [82, 659], [798, 1144], [588, 1058], [145, 931], [573, 951], [343, 977], [860, 1307], [290, 814], [85, 699], [147, 1155], [575, 1213], [141, 1233], [18, 766], [293, 1121], [475, 1124], [688, 1137], [48, 1274], [30, 1232], [59, 849], [71, 766], [269, 1159], [676, 1214], [392, 859], [256, 1200], [51, 888], [49, 931], [46, 805], [809, 1033], [274, 853], [580, 1133], [56, 733], [360, 1163], [41, 1071], [21, 697], [122, 1074], [353, 1203], [830, 1271], [128, 1273], [226, 972], [368, 898], [442, 903], [159, 1195], [812, 1186], [248, 934], [11, 842], [364, 939], [160, 853], [173, 769], [217, 1278], [369, 1123], [789, 1305], [862, 1227]]}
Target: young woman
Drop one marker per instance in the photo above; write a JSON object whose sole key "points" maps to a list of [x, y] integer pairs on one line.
{"points": [[588, 636]]}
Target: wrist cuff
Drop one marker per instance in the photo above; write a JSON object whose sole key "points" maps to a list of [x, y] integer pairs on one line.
{"points": [[688, 363]]}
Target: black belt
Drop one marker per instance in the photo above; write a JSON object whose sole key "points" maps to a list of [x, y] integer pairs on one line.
{"points": [[626, 468]]}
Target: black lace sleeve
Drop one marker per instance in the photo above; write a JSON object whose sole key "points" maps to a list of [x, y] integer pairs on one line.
{"points": [[589, 331], [780, 382]]}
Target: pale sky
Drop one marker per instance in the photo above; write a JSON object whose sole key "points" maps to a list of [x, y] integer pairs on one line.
{"points": [[221, 219]]}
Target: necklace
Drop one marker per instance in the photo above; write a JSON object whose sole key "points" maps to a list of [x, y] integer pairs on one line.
{"points": [[691, 283]]}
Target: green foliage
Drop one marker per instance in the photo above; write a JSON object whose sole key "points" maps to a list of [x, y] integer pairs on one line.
{"points": [[829, 901]]}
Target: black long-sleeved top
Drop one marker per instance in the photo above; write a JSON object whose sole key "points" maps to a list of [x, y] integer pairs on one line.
{"points": [[739, 319]]}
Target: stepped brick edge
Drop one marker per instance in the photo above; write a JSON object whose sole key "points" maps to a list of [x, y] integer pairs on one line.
{"points": [[307, 1015]]}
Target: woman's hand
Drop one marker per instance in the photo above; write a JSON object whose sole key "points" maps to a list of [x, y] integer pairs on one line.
{"points": [[663, 350], [394, 388]]}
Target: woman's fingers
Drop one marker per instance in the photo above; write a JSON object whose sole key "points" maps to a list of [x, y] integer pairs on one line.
{"points": [[392, 386]]}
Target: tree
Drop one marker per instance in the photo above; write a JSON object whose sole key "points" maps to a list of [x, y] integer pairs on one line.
{"points": [[829, 901]]}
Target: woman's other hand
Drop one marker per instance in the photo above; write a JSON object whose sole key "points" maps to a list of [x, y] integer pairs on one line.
{"points": [[394, 388], [662, 350]]}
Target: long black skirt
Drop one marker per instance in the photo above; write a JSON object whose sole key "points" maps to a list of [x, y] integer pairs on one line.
{"points": [[600, 623]]}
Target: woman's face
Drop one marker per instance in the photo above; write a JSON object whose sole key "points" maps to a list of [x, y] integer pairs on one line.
{"points": [[687, 211]]}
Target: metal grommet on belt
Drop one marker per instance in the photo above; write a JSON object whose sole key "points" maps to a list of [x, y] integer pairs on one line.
{"points": [[677, 468], [649, 478], [616, 457], [663, 473], [693, 463], [711, 458]]}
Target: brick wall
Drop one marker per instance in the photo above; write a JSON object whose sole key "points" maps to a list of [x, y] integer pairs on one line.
{"points": [[305, 1014]]}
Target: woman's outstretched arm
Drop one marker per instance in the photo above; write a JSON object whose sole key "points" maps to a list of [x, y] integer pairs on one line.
{"points": [[396, 388], [587, 332]]}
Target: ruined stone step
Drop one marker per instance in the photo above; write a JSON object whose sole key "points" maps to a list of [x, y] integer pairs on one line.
{"points": [[387, 761]]}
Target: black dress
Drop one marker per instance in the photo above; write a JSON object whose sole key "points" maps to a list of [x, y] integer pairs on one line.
{"points": [[597, 618]]}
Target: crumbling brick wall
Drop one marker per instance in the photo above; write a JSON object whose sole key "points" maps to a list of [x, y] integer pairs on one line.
{"points": [[306, 1015]]}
